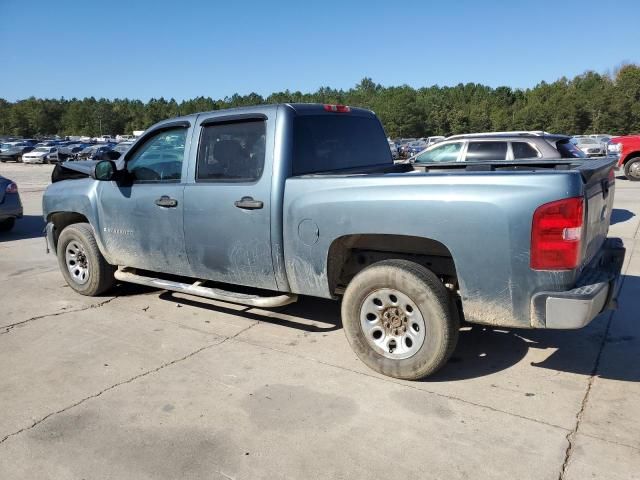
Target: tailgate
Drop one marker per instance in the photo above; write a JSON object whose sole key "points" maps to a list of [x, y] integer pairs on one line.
{"points": [[599, 192]]}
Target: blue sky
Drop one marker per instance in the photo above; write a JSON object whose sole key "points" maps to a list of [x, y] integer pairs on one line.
{"points": [[183, 49]]}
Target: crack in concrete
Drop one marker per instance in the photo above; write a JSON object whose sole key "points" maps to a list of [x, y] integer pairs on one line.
{"points": [[612, 442], [124, 382], [583, 404], [8, 328]]}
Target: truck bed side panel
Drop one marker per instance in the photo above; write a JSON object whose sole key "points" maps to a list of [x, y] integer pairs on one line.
{"points": [[484, 219]]}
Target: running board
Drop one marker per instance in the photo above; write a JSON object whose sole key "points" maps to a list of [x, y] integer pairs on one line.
{"points": [[196, 288]]}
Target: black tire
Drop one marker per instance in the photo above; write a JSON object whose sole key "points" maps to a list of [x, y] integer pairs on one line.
{"points": [[46, 161], [19, 159], [99, 277], [633, 164], [7, 224], [435, 306]]}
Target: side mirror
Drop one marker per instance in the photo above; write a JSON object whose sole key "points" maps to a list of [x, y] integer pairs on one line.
{"points": [[104, 170]]}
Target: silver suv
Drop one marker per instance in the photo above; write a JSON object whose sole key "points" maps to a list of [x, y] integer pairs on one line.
{"points": [[493, 146]]}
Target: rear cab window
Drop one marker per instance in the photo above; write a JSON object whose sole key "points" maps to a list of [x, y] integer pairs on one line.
{"points": [[341, 141]]}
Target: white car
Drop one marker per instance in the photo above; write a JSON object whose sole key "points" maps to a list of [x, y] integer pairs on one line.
{"points": [[41, 155], [590, 146]]}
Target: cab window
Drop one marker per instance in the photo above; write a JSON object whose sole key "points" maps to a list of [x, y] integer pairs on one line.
{"points": [[232, 152], [160, 157]]}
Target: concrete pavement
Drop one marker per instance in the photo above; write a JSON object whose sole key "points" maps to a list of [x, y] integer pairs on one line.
{"points": [[147, 384]]}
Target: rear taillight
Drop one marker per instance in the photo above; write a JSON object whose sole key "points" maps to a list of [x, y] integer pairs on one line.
{"points": [[556, 235], [337, 108], [12, 188]]}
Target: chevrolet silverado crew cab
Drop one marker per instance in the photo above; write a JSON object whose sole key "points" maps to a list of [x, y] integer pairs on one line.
{"points": [[259, 205]]}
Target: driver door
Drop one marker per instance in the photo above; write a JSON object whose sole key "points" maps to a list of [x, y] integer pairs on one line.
{"points": [[141, 222]]}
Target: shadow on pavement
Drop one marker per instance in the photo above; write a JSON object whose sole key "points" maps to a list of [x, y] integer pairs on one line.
{"points": [[308, 310], [483, 350], [619, 215], [29, 226]]}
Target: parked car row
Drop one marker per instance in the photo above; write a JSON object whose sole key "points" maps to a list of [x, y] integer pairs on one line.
{"points": [[406, 147], [53, 151]]}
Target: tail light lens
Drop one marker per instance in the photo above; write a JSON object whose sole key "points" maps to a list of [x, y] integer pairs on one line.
{"points": [[12, 188], [556, 235]]}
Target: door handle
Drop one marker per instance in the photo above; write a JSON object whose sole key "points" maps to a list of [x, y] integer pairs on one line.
{"points": [[166, 202], [248, 203]]}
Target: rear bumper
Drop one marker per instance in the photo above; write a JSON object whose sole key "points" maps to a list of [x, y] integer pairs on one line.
{"points": [[596, 291]]}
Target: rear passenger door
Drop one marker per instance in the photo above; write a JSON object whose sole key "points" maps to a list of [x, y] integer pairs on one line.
{"points": [[478, 151], [227, 201]]}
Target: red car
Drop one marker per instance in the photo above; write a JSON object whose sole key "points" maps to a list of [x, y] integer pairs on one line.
{"points": [[628, 147]]}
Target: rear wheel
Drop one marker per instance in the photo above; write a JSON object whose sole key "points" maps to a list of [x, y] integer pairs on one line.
{"points": [[632, 169], [7, 224], [19, 159], [399, 319], [81, 263]]}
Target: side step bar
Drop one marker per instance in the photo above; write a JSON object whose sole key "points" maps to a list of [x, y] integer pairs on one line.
{"points": [[196, 288]]}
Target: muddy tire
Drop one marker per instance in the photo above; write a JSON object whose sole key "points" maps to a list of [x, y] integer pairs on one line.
{"points": [[81, 263], [399, 319], [632, 169]]}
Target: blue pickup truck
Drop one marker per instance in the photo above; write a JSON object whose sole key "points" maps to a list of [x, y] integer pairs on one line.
{"points": [[259, 205]]}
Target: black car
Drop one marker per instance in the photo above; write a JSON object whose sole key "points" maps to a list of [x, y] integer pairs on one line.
{"points": [[14, 153], [10, 205], [71, 150]]}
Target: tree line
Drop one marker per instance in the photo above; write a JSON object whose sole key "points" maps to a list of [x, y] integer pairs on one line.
{"points": [[587, 103]]}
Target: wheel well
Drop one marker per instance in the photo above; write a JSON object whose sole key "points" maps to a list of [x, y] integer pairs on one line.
{"points": [[631, 156], [350, 254], [61, 220]]}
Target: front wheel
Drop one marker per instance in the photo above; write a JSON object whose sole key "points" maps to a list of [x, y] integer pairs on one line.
{"points": [[81, 263], [399, 319], [632, 169]]}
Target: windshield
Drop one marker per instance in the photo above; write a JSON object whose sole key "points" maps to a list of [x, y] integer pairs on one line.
{"points": [[41, 149], [335, 142], [569, 150], [587, 140]]}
